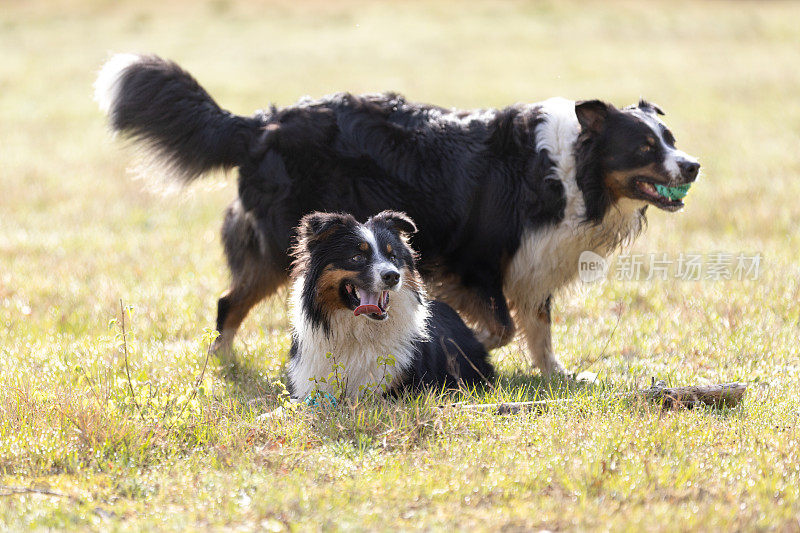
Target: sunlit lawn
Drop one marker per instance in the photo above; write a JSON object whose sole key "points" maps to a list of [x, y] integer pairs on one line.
{"points": [[179, 444]]}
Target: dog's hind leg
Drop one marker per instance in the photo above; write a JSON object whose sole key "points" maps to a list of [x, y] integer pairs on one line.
{"points": [[494, 322], [484, 309], [257, 271]]}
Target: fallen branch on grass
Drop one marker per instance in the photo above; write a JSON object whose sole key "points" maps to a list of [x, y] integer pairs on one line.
{"points": [[723, 395], [9, 491]]}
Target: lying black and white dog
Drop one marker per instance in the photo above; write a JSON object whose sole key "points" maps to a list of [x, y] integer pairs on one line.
{"points": [[357, 299], [506, 200]]}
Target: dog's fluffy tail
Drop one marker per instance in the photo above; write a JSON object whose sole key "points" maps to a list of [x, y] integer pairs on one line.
{"points": [[161, 106]]}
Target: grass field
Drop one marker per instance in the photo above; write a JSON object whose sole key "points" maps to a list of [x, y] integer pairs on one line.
{"points": [[177, 446]]}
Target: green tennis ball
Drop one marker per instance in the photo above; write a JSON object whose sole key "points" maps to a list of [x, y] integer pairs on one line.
{"points": [[673, 193]]}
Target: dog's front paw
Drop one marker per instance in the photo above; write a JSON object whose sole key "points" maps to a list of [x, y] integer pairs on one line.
{"points": [[552, 369], [223, 345], [585, 377]]}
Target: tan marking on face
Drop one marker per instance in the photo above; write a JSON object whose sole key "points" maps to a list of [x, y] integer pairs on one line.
{"points": [[620, 182], [363, 246], [328, 287], [388, 248]]}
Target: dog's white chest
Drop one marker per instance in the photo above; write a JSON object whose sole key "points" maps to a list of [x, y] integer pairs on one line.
{"points": [[352, 356], [548, 257], [349, 364]]}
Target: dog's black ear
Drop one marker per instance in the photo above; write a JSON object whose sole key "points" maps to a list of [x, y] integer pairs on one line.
{"points": [[315, 225], [649, 107], [397, 221], [592, 115]]}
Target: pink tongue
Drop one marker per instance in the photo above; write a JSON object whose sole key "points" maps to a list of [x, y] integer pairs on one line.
{"points": [[368, 304]]}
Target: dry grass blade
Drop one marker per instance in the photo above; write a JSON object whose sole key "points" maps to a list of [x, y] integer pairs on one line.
{"points": [[12, 491], [127, 367]]}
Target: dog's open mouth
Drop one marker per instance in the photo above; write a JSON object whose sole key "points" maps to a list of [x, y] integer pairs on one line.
{"points": [[649, 191], [373, 304]]}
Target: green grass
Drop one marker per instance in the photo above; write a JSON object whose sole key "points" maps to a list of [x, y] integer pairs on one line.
{"points": [[77, 235]]}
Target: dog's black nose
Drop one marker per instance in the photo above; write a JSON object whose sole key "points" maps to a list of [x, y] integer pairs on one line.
{"points": [[689, 169], [390, 277]]}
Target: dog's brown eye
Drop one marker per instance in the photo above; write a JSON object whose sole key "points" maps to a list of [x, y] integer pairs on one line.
{"points": [[645, 148], [357, 258]]}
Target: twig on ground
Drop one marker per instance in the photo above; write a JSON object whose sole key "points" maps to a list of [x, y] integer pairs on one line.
{"points": [[511, 407], [6, 490], [723, 395], [475, 368]]}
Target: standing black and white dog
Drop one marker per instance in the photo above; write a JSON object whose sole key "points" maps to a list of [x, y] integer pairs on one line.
{"points": [[357, 299], [505, 199]]}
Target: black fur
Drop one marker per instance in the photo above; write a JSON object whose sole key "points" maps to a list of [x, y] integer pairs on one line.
{"points": [[451, 356], [161, 105], [473, 181]]}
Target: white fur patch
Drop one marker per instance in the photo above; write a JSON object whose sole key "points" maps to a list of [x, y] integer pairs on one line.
{"points": [[671, 161], [106, 86], [547, 259], [380, 263], [355, 343]]}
